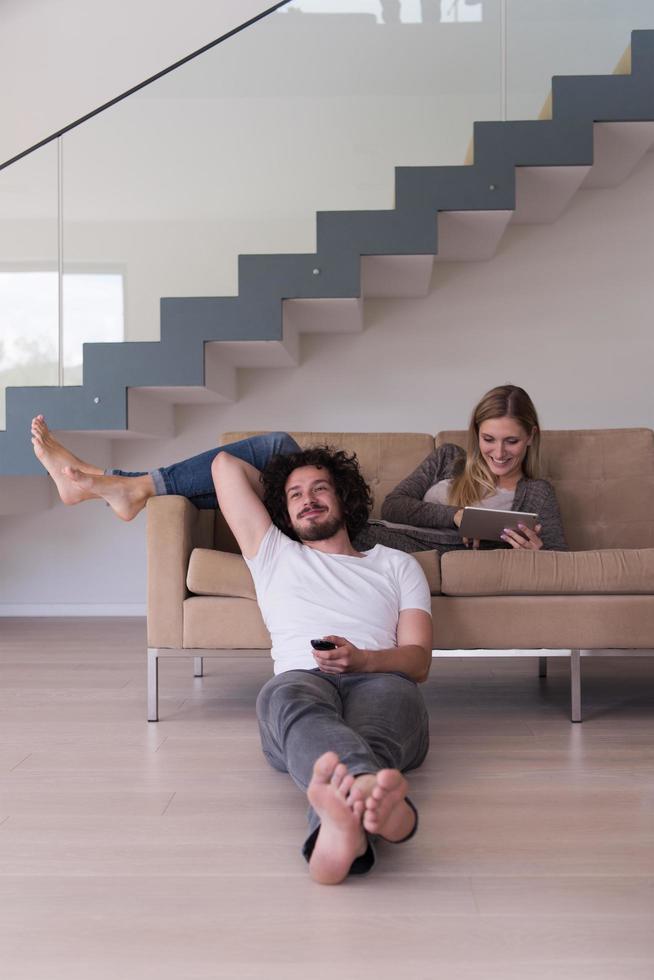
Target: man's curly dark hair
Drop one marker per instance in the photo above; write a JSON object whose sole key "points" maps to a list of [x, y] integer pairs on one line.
{"points": [[351, 489]]}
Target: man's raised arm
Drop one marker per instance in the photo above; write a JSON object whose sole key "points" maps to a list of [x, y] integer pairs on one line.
{"points": [[239, 492]]}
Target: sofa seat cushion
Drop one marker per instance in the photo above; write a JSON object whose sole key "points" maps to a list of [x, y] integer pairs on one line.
{"points": [[554, 622], [502, 572], [221, 573], [223, 623]]}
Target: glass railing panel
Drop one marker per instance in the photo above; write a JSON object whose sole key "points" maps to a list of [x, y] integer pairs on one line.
{"points": [[563, 38], [311, 109], [93, 310], [29, 280]]}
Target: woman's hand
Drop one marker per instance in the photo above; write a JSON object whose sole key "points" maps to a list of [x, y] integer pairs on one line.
{"points": [[524, 538], [468, 542], [345, 659]]}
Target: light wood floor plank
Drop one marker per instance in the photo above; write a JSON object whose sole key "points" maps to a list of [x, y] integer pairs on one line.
{"points": [[171, 851]]}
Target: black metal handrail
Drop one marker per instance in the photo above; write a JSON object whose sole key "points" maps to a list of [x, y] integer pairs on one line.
{"points": [[148, 81]]}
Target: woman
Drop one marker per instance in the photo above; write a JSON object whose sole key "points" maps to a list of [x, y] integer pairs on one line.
{"points": [[500, 470]]}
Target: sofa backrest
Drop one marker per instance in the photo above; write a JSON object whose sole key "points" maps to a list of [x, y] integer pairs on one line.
{"points": [[385, 457], [604, 478], [604, 481]]}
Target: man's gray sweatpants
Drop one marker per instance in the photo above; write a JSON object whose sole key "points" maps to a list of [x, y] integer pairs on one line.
{"points": [[371, 721]]}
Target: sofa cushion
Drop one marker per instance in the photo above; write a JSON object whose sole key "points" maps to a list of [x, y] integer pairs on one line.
{"points": [[517, 623], [223, 623], [431, 566], [495, 573], [221, 573]]}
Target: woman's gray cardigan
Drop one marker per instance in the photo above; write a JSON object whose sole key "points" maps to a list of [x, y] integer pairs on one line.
{"points": [[405, 505]]}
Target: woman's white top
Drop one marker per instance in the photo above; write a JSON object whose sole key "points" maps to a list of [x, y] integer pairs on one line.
{"points": [[439, 493]]}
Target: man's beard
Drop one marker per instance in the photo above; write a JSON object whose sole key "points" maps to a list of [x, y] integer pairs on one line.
{"points": [[319, 531]]}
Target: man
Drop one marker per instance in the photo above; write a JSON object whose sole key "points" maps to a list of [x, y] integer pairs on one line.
{"points": [[346, 722]]}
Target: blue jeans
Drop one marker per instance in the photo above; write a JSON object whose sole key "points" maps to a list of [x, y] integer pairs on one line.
{"points": [[371, 721], [192, 477]]}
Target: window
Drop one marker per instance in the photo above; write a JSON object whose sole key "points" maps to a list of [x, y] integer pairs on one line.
{"points": [[93, 304]]}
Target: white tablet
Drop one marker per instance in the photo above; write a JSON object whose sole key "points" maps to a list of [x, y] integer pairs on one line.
{"points": [[488, 525]]}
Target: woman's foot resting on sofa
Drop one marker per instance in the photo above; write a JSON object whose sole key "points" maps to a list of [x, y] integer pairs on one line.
{"points": [[57, 459], [126, 495], [77, 481]]}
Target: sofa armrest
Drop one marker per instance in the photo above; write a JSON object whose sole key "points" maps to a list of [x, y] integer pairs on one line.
{"points": [[174, 527]]}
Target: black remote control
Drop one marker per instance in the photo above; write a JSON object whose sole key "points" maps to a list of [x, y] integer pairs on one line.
{"points": [[323, 645]]}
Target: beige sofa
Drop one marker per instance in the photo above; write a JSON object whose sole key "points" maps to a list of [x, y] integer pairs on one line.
{"points": [[596, 598]]}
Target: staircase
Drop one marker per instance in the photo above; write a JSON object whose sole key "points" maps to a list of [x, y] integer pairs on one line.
{"points": [[592, 132]]}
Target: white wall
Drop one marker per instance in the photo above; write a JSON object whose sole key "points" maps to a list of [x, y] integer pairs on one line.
{"points": [[562, 309]]}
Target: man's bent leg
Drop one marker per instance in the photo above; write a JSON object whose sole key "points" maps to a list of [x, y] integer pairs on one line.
{"points": [[388, 711], [300, 715], [300, 719]]}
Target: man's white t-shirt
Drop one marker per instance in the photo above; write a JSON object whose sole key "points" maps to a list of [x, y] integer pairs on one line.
{"points": [[304, 594]]}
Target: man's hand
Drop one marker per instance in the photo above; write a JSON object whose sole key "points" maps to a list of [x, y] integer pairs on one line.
{"points": [[345, 659], [411, 656]]}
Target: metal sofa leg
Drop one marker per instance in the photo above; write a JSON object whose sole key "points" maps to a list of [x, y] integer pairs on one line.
{"points": [[153, 684], [542, 666], [575, 685], [198, 666]]}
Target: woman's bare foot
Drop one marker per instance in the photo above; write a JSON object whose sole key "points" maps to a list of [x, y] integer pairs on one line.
{"points": [[341, 838], [77, 481], [386, 812], [126, 495], [56, 459]]}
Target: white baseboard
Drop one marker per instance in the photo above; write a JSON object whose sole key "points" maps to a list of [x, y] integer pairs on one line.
{"points": [[72, 609]]}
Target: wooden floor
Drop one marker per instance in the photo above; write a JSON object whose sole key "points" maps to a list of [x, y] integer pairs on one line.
{"points": [[171, 851]]}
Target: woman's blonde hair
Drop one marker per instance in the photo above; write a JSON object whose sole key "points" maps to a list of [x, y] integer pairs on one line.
{"points": [[476, 480]]}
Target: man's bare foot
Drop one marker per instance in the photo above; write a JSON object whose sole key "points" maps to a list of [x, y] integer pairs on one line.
{"points": [[386, 812], [56, 458], [341, 838], [126, 495]]}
